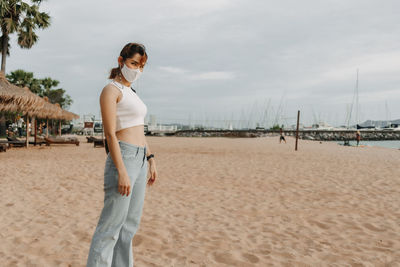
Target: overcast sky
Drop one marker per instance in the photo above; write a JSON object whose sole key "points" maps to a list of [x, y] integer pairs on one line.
{"points": [[228, 59]]}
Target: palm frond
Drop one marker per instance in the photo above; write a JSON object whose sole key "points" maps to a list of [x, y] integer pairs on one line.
{"points": [[26, 39]]}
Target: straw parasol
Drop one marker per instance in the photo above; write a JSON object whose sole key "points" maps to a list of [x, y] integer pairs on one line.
{"points": [[69, 115], [14, 98]]}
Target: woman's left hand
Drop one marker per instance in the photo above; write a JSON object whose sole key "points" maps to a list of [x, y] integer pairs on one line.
{"points": [[153, 172]]}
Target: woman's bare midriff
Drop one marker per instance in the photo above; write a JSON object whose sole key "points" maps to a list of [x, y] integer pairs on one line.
{"points": [[133, 135]]}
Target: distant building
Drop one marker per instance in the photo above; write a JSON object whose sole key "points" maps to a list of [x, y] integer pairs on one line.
{"points": [[160, 128], [152, 120]]}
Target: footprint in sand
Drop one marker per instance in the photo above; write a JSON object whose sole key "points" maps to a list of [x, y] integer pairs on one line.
{"points": [[225, 257], [82, 235], [171, 255], [137, 240], [250, 257], [319, 224], [373, 228]]}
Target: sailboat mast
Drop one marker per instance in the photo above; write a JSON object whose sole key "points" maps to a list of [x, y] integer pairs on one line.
{"points": [[357, 120], [387, 113]]}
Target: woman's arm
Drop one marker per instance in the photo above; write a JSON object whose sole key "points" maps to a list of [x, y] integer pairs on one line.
{"points": [[153, 169], [148, 152], [108, 104]]}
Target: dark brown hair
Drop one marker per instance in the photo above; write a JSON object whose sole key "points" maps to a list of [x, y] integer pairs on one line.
{"points": [[129, 51]]}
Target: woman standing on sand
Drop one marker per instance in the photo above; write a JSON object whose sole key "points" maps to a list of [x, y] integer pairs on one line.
{"points": [[123, 115]]}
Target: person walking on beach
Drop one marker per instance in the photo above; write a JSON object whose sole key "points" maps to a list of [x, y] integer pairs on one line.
{"points": [[281, 137], [125, 173], [358, 137]]}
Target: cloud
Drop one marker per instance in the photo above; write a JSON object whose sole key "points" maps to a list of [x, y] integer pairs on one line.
{"points": [[197, 8], [192, 75], [212, 75], [170, 69]]}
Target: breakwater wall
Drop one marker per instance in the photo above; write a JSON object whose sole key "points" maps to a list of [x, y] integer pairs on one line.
{"points": [[320, 135]]}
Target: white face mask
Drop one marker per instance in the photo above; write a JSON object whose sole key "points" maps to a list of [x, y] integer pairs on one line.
{"points": [[130, 75]]}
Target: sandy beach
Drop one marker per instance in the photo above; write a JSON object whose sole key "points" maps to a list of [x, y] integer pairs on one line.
{"points": [[217, 202]]}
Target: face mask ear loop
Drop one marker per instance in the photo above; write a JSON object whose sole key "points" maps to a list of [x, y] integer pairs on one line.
{"points": [[119, 74]]}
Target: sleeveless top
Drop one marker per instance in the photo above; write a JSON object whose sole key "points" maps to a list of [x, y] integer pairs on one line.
{"points": [[130, 109]]}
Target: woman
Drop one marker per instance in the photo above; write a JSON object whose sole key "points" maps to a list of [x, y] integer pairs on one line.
{"points": [[125, 173]]}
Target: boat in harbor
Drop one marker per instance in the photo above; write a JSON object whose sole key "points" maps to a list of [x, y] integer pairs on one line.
{"points": [[392, 127]]}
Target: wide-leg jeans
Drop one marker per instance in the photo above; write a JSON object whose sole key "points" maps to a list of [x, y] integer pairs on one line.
{"points": [[120, 217]]}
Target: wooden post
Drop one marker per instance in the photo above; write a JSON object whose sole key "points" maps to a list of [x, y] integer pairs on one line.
{"points": [[2, 124], [27, 130], [35, 129], [47, 127], [297, 129], [59, 128]]}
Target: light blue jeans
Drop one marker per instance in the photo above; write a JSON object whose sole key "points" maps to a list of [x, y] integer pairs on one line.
{"points": [[119, 220]]}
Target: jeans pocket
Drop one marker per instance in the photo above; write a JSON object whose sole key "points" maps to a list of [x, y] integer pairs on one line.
{"points": [[129, 156], [110, 176]]}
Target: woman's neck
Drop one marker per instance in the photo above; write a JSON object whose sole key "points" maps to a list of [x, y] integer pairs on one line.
{"points": [[121, 79]]}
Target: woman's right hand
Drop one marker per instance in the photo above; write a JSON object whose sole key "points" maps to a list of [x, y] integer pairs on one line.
{"points": [[124, 184]]}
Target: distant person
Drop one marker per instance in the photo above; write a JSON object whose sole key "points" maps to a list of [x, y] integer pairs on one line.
{"points": [[281, 137], [19, 126], [14, 128], [40, 128], [358, 137], [44, 128], [9, 131], [126, 165]]}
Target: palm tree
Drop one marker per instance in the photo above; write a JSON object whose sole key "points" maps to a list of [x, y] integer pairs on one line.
{"points": [[55, 95], [22, 78], [47, 84], [19, 17], [41, 87]]}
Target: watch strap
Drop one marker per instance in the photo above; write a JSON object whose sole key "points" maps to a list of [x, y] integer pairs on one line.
{"points": [[150, 156]]}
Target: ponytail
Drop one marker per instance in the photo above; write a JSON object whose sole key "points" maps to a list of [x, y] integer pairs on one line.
{"points": [[114, 72]]}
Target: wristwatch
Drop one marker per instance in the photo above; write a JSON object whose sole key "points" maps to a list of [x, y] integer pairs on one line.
{"points": [[150, 156]]}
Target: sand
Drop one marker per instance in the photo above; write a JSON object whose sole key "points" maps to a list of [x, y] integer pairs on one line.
{"points": [[217, 202]]}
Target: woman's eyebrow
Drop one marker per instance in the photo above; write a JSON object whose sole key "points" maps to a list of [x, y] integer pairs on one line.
{"points": [[135, 61]]}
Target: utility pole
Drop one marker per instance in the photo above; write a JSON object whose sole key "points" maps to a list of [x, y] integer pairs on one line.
{"points": [[297, 128], [357, 121]]}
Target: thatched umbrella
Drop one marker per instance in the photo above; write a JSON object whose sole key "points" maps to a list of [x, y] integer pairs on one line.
{"points": [[59, 113], [66, 115], [14, 98]]}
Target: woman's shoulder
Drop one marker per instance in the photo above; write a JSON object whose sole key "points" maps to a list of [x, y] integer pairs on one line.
{"points": [[111, 88], [114, 84]]}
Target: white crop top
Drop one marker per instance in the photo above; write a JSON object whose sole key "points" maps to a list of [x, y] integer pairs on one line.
{"points": [[130, 109]]}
